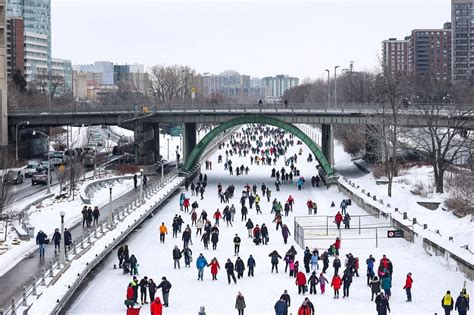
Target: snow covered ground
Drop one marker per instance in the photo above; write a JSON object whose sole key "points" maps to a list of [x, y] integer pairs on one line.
{"points": [[45, 216], [431, 275]]}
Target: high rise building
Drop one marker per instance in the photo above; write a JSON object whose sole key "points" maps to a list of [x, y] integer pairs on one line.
{"points": [[131, 77], [61, 75], [36, 57], [277, 85], [15, 46], [395, 55], [462, 19], [430, 52], [36, 16], [103, 70], [3, 76]]}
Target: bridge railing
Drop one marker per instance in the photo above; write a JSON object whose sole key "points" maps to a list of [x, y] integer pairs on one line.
{"points": [[132, 112]]}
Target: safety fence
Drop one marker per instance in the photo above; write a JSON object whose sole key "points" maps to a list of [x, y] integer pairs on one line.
{"points": [[48, 276], [432, 239], [86, 192]]}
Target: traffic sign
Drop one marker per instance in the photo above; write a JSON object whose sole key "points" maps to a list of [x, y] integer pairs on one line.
{"points": [[61, 168], [394, 233], [193, 90]]}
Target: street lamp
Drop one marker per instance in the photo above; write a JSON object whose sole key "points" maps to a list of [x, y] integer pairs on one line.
{"points": [[141, 184], [168, 147], [62, 250], [26, 122], [329, 88], [49, 160], [111, 218], [335, 86], [162, 172]]}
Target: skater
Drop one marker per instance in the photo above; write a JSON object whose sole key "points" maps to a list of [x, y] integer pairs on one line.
{"points": [[275, 256], [375, 287], [285, 232], [387, 285], [156, 308], [301, 282], [304, 309], [447, 303], [286, 297], [322, 282], [143, 286], [214, 268], [249, 225], [336, 284], [281, 308], [165, 286], [306, 259], [462, 304], [163, 231], [408, 285], [96, 215], [313, 282], [370, 268], [187, 252], [133, 265], [314, 261], [347, 219], [120, 256], [251, 265], [151, 289], [240, 303], [201, 262], [381, 301], [236, 244], [346, 281], [176, 256], [239, 267], [336, 264], [229, 267], [214, 239], [56, 240], [338, 219]]}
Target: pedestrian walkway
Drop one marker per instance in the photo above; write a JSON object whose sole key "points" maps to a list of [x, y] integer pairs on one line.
{"points": [[12, 282]]}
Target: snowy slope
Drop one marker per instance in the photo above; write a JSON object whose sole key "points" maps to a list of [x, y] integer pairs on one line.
{"points": [[431, 277]]}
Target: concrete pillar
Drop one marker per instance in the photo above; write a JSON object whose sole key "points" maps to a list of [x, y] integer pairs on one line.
{"points": [[3, 78], [189, 139], [155, 146], [147, 144], [327, 143], [373, 145]]}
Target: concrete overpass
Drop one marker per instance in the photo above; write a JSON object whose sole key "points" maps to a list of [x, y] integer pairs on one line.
{"points": [[145, 121]]}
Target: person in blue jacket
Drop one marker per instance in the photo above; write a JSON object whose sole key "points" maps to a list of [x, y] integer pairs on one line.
{"points": [[462, 303], [41, 238], [251, 265], [281, 308], [387, 285], [201, 262]]}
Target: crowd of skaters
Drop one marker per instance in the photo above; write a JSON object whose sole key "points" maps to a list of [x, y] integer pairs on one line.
{"points": [[270, 144]]}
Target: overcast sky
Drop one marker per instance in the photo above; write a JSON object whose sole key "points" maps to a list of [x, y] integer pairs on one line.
{"points": [[259, 38]]}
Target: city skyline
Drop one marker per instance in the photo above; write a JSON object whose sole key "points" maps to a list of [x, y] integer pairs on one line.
{"points": [[248, 34]]}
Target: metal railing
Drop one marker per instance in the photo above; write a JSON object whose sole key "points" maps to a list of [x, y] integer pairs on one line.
{"points": [[49, 275]]}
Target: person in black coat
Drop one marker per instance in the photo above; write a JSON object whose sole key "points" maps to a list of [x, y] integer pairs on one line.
{"points": [[57, 240], [336, 264], [264, 233], [462, 303], [214, 239], [143, 284], [313, 282], [286, 297], [120, 256], [41, 238], [382, 305], [176, 256], [275, 256], [165, 286], [251, 265], [229, 267], [239, 267], [306, 259], [346, 282], [67, 238]]}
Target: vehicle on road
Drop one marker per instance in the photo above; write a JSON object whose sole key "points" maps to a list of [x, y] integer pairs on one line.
{"points": [[57, 158], [31, 168], [13, 177], [40, 177], [44, 166]]}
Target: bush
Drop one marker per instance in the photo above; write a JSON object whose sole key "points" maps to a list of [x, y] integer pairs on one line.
{"points": [[461, 188], [352, 138]]}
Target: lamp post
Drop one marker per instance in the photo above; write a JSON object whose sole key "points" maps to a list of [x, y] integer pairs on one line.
{"points": [[111, 219], [335, 86], [141, 184], [26, 122], [62, 250], [168, 147], [49, 160], [162, 172], [329, 89]]}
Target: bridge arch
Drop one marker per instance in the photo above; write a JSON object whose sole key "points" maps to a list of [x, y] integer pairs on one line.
{"points": [[197, 151]]}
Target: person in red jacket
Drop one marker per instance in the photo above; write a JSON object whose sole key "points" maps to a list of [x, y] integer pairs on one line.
{"points": [[337, 245], [214, 268], [186, 204], [300, 282], [336, 284], [304, 309], [407, 287], [338, 219], [291, 201], [309, 204], [217, 216], [130, 295], [156, 308]]}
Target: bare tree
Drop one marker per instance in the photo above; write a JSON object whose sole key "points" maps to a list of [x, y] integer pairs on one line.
{"points": [[443, 135], [390, 90], [7, 161], [169, 83]]}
